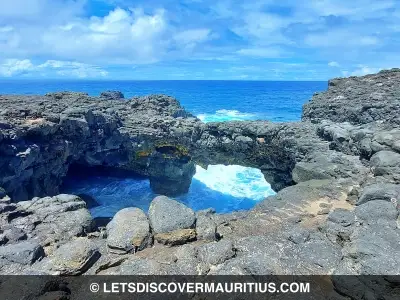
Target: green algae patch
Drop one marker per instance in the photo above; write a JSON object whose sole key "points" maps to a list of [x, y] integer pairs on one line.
{"points": [[174, 150], [143, 154]]}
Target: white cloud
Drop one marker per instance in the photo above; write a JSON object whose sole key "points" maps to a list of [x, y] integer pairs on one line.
{"points": [[192, 36], [267, 52], [364, 70], [120, 37], [355, 9], [263, 28], [73, 69], [340, 38], [65, 38], [5, 29], [42, 11], [11, 67], [333, 64]]}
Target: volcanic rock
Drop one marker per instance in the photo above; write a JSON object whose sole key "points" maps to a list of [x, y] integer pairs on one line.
{"points": [[128, 231]]}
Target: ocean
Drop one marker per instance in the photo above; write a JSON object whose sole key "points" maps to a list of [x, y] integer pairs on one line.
{"points": [[224, 188]]}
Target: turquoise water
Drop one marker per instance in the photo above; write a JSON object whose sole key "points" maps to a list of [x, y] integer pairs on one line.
{"points": [[225, 188]]}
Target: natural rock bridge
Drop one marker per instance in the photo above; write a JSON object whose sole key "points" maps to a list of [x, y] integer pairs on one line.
{"points": [[42, 136]]}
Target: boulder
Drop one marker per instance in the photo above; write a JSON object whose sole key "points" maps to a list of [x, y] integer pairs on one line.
{"points": [[167, 215], [72, 258], [128, 231], [380, 191], [385, 163], [24, 253]]}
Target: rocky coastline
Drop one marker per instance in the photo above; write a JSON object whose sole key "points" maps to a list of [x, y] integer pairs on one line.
{"points": [[337, 174]]}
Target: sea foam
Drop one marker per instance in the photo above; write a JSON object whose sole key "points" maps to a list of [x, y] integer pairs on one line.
{"points": [[237, 181], [223, 115], [224, 188]]}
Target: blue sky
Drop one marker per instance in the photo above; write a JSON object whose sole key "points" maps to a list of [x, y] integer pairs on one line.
{"points": [[198, 39]]}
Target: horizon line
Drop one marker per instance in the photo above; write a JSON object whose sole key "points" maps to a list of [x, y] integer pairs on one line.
{"points": [[116, 80]]}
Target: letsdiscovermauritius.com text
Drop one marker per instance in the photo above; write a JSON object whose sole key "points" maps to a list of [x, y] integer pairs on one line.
{"points": [[201, 287]]}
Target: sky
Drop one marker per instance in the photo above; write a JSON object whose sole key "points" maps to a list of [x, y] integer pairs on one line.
{"points": [[197, 39]]}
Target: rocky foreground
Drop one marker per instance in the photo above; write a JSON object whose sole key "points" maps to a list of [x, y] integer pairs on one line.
{"points": [[337, 172]]}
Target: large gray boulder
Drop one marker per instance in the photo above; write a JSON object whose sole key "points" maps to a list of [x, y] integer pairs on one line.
{"points": [[168, 215], [385, 163], [172, 222], [72, 258], [128, 231]]}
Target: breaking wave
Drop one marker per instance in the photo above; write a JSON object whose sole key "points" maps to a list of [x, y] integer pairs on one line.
{"points": [[224, 115], [224, 188]]}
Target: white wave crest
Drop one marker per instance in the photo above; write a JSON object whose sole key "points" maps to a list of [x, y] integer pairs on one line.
{"points": [[224, 115], [237, 181]]}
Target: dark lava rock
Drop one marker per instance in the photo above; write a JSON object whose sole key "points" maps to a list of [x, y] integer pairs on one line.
{"points": [[342, 217], [206, 228], [377, 212], [171, 170], [50, 219], [358, 100], [380, 191], [112, 95], [216, 253], [24, 253]]}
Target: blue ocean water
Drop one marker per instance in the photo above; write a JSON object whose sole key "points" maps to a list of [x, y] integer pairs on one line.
{"points": [[209, 100], [225, 188]]}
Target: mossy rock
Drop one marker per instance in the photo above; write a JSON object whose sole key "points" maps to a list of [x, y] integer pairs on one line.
{"points": [[169, 150], [143, 154]]}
